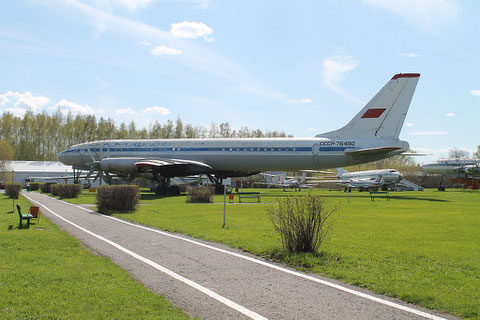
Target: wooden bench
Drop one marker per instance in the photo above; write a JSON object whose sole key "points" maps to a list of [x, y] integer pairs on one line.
{"points": [[243, 195], [26, 216], [374, 194]]}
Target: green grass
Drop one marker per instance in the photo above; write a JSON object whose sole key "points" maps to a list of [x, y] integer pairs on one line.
{"points": [[47, 274], [421, 247]]}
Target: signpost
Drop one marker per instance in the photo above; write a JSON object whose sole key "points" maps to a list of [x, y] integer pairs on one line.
{"points": [[225, 183]]}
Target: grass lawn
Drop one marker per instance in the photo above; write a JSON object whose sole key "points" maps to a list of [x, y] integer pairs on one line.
{"points": [[421, 247], [46, 274]]}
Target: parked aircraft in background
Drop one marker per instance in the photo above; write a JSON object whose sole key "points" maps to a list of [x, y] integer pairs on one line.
{"points": [[451, 167], [465, 171], [366, 179], [371, 135], [285, 182]]}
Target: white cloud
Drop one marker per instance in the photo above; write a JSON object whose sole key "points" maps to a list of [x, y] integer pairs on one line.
{"points": [[412, 55], [428, 133], [161, 50], [409, 124], [135, 4], [66, 106], [125, 111], [3, 100], [451, 114], [191, 30], [157, 110], [426, 14], [146, 43], [334, 71], [101, 84], [18, 103], [17, 111], [475, 92], [302, 100]]}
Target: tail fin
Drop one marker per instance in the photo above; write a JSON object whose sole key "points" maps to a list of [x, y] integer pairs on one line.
{"points": [[341, 171], [383, 116]]}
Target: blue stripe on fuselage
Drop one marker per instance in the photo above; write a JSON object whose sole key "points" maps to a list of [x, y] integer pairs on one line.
{"points": [[204, 149]]}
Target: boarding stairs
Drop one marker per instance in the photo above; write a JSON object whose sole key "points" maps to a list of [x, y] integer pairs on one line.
{"points": [[409, 185]]}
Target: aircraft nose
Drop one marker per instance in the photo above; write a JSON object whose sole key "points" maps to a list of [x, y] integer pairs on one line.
{"points": [[61, 157]]}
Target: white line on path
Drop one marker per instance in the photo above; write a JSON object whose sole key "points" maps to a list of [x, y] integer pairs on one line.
{"points": [[155, 265], [275, 267]]}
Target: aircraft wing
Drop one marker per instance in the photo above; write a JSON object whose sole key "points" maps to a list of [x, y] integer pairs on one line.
{"points": [[361, 152], [172, 167], [60, 177]]}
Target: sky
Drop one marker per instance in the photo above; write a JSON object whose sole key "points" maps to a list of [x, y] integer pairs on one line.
{"points": [[304, 67]]}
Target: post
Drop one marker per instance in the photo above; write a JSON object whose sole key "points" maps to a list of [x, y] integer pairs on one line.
{"points": [[224, 205]]}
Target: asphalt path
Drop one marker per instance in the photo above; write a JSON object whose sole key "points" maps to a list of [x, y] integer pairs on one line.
{"points": [[213, 281]]}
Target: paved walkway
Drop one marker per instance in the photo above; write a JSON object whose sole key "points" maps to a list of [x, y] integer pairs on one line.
{"points": [[212, 281]]}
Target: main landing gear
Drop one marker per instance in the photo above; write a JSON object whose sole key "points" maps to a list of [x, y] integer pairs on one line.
{"points": [[218, 183], [164, 188]]}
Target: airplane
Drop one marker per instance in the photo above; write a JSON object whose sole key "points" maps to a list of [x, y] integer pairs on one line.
{"points": [[371, 135], [366, 179], [284, 182], [451, 166], [465, 171]]}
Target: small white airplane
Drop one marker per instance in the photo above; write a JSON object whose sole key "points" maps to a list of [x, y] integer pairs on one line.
{"points": [[367, 178], [371, 135], [285, 182]]}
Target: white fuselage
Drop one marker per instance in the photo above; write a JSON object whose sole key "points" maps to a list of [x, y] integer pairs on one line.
{"points": [[238, 154], [388, 176], [448, 166]]}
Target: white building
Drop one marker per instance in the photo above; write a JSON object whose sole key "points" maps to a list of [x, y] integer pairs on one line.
{"points": [[36, 170]]}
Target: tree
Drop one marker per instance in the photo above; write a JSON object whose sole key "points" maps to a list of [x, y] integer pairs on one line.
{"points": [[6, 154], [477, 154], [458, 154]]}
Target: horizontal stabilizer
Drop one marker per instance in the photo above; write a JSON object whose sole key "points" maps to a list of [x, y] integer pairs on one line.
{"points": [[361, 152]]}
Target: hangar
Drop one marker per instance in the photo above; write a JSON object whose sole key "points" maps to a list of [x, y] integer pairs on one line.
{"points": [[23, 170]]}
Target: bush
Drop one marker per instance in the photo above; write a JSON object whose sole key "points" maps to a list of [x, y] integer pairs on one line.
{"points": [[34, 186], [13, 190], [302, 222], [200, 195], [117, 198], [67, 190], [46, 187], [54, 189]]}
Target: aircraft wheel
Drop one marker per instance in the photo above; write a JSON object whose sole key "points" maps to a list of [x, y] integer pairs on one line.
{"points": [[173, 190], [219, 188], [160, 190]]}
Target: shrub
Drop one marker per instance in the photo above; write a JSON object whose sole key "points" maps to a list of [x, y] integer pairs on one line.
{"points": [[13, 190], [34, 186], [54, 189], [117, 198], [45, 187], [67, 190], [200, 195], [302, 222]]}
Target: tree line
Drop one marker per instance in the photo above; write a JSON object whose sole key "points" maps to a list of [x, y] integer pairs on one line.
{"points": [[42, 136]]}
